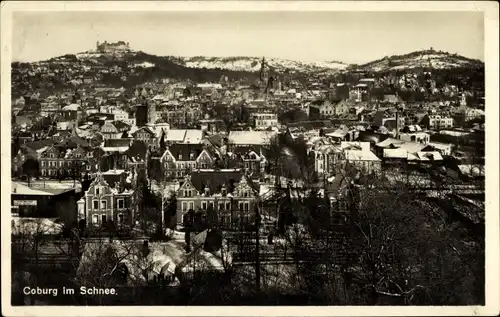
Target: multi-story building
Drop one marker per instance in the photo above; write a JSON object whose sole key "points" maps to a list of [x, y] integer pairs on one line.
{"points": [[265, 120], [62, 162], [230, 193], [326, 159], [413, 133], [110, 131], [181, 159], [250, 159], [359, 155], [436, 122], [102, 203], [112, 48], [146, 135]]}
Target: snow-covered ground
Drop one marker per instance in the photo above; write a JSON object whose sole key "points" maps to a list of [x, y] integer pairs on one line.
{"points": [[88, 55], [437, 60], [144, 65], [253, 64]]}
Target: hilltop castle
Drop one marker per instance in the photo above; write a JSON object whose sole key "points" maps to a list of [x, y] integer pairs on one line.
{"points": [[111, 48]]}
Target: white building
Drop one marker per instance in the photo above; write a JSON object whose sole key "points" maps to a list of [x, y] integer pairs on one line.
{"points": [[120, 115], [265, 120], [437, 122], [360, 156]]}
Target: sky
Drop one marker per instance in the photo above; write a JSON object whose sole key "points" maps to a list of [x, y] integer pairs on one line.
{"points": [[350, 37]]}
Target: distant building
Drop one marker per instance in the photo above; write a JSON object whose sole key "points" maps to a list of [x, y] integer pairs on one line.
{"points": [[413, 133], [326, 159], [146, 135], [436, 122], [264, 121], [112, 48]]}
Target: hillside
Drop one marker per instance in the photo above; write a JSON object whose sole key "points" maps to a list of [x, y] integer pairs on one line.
{"points": [[129, 68], [253, 64], [426, 59], [124, 70]]}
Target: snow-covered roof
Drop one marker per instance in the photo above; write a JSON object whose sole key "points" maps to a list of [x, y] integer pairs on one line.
{"points": [[440, 146], [426, 156], [71, 107], [360, 86], [339, 133], [20, 189], [387, 142], [209, 85], [176, 135], [193, 136], [412, 147], [357, 155], [395, 153], [250, 137], [364, 146], [113, 172], [115, 148]]}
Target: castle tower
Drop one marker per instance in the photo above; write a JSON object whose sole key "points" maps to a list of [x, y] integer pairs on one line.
{"points": [[97, 45]]}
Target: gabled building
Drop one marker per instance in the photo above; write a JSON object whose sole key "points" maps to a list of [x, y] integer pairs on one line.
{"points": [[109, 131], [62, 162], [148, 136], [230, 193], [326, 159], [250, 159], [102, 203], [181, 159]]}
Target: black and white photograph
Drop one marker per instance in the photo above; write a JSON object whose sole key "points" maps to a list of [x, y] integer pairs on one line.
{"points": [[249, 158]]}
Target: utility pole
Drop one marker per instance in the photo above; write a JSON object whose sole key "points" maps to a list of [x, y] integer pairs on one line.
{"points": [[162, 211], [257, 247]]}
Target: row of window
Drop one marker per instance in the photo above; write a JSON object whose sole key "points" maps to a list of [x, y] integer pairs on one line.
{"points": [[55, 163], [101, 219], [222, 205], [89, 154], [104, 204], [191, 165], [191, 193], [55, 172]]}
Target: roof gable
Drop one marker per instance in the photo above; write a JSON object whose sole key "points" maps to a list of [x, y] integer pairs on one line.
{"points": [[215, 180], [185, 152]]}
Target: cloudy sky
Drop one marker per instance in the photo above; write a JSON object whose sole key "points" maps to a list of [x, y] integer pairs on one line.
{"points": [[352, 37]]}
